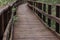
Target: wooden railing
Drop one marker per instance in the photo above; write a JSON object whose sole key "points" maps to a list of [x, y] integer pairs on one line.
{"points": [[40, 9], [6, 20]]}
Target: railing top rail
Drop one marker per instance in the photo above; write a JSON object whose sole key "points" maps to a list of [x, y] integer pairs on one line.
{"points": [[49, 16], [7, 30], [7, 7], [6, 16], [41, 12], [45, 3], [3, 9]]}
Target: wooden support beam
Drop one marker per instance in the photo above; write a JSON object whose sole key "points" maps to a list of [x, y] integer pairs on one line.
{"points": [[1, 33], [44, 9], [39, 5], [49, 12], [57, 15]]}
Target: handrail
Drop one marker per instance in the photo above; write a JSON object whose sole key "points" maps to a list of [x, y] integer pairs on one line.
{"points": [[5, 15], [1, 10], [43, 3], [7, 30], [6, 20], [40, 9], [8, 13], [45, 14]]}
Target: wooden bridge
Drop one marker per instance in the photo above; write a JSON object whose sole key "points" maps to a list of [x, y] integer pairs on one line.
{"points": [[31, 21]]}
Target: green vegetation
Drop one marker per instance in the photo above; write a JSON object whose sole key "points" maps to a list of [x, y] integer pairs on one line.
{"points": [[15, 17], [4, 2], [50, 1], [54, 2]]}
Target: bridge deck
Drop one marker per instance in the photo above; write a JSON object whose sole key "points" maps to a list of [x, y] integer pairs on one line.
{"points": [[29, 27]]}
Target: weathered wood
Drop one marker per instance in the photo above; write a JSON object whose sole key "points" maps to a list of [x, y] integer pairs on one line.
{"points": [[57, 15], [40, 7], [29, 27], [44, 9], [1, 33], [47, 15], [55, 18], [49, 12], [3, 9], [6, 20], [37, 2], [5, 36], [3, 23]]}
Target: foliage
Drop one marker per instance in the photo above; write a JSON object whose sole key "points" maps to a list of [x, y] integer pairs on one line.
{"points": [[53, 10], [4, 2], [50, 1]]}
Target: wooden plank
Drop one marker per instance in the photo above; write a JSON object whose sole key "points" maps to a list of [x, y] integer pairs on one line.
{"points": [[44, 9], [57, 15], [7, 30], [49, 12], [47, 15], [40, 7], [1, 33], [29, 27]]}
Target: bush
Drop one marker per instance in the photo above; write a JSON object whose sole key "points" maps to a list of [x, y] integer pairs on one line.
{"points": [[4, 2]]}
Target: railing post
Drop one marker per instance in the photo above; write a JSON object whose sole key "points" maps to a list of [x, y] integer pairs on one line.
{"points": [[49, 12], [3, 27], [57, 15], [30, 4], [1, 33], [5, 19], [33, 5], [39, 5], [12, 26], [44, 9], [8, 15], [34, 8]]}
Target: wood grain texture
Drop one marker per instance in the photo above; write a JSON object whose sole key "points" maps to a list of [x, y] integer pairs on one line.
{"points": [[29, 27]]}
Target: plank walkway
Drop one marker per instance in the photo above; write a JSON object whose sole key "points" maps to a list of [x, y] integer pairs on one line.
{"points": [[29, 27]]}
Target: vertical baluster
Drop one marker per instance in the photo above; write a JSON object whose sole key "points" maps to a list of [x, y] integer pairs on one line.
{"points": [[5, 19], [39, 5], [44, 9], [10, 12], [34, 5], [36, 10], [1, 27], [12, 25], [49, 12], [8, 16], [57, 15], [3, 23], [31, 4]]}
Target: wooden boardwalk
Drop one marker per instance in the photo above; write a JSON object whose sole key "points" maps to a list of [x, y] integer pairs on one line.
{"points": [[29, 27]]}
